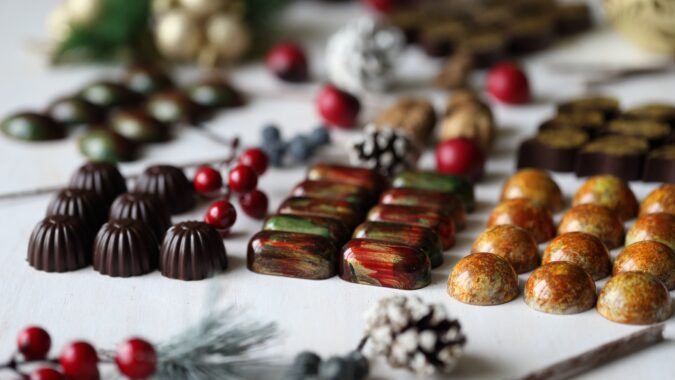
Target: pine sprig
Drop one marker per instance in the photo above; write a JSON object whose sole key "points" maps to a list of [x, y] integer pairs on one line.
{"points": [[217, 348]]}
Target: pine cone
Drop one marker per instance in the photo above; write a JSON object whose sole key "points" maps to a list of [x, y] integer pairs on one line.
{"points": [[386, 150], [414, 335]]}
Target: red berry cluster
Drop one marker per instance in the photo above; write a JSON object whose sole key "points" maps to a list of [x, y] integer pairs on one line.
{"points": [[135, 358], [242, 179]]}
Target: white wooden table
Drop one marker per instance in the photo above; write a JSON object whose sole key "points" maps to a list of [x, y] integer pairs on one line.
{"points": [[326, 316]]}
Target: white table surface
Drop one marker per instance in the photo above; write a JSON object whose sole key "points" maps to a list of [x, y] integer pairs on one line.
{"points": [[325, 316]]}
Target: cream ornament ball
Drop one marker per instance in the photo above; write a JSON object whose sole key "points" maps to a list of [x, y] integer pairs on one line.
{"points": [[228, 36], [83, 11], [58, 23], [202, 7], [649, 24], [178, 35]]}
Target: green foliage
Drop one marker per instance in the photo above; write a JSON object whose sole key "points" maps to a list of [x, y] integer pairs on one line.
{"points": [[120, 30]]}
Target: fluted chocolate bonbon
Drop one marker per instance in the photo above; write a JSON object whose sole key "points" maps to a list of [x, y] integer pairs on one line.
{"points": [[125, 248], [102, 178], [170, 185], [59, 243], [144, 207], [192, 251], [83, 204]]}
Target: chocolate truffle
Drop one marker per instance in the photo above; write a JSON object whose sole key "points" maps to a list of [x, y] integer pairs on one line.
{"points": [[512, 243], [653, 131], [31, 126], [536, 186], [560, 288], [147, 80], [658, 226], [138, 126], [108, 95], [71, 111], [440, 39], [172, 107], [170, 185], [591, 122], [106, 145], [660, 112], [59, 243], [648, 256], [483, 279], [192, 251], [125, 248], [607, 105], [552, 149], [144, 207], [102, 178], [214, 93], [609, 191], [661, 199], [530, 34], [635, 298], [622, 156], [582, 249], [83, 204], [525, 214], [596, 220], [660, 165]]}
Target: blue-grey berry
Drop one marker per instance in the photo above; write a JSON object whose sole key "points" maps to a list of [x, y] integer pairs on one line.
{"points": [[271, 133], [361, 365], [336, 368], [299, 149], [319, 136], [306, 363], [275, 152]]}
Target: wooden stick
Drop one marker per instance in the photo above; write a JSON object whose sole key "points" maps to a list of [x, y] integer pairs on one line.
{"points": [[599, 355]]}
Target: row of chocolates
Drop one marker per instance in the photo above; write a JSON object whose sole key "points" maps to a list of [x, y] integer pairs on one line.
{"points": [[489, 30], [402, 238], [593, 135], [579, 255], [97, 221], [122, 116]]}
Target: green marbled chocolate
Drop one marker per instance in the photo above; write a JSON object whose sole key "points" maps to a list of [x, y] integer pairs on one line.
{"points": [[32, 126], [333, 190], [329, 208], [428, 180], [367, 178], [422, 238], [448, 203], [329, 228], [291, 254]]}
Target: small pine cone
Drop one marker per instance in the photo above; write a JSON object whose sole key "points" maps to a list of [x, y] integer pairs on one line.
{"points": [[414, 335], [386, 150]]}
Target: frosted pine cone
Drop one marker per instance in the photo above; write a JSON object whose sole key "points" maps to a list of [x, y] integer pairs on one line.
{"points": [[386, 150], [414, 335]]}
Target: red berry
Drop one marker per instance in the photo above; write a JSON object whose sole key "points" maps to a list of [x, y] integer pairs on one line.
{"points": [[33, 343], [288, 62], [255, 158], [221, 215], [386, 6], [460, 156], [46, 373], [78, 360], [338, 107], [254, 204], [207, 181], [508, 83], [136, 359], [242, 179]]}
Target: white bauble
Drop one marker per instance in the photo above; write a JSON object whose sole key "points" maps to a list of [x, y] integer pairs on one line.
{"points": [[202, 7], [58, 23], [161, 6], [178, 35], [228, 35], [83, 11], [648, 23]]}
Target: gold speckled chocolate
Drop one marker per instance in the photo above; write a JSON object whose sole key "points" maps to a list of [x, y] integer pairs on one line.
{"points": [[536, 186], [483, 279], [525, 214], [661, 199], [512, 243], [596, 220], [582, 249], [635, 298], [648, 256], [658, 226], [609, 191], [560, 288]]}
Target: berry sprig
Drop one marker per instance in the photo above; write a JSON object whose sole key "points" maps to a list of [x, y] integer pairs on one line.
{"points": [[241, 179], [135, 358]]}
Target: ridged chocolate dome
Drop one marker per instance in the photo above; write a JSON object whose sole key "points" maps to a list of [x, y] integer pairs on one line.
{"points": [[143, 207], [125, 248], [83, 204], [59, 243], [192, 251], [170, 185], [102, 178]]}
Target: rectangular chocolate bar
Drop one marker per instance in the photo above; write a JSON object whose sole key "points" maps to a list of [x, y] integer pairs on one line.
{"points": [[416, 216], [341, 210], [367, 178], [355, 194], [421, 238], [447, 203], [389, 265], [329, 228], [291, 254], [447, 183]]}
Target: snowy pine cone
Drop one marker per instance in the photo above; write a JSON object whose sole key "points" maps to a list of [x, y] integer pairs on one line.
{"points": [[414, 335], [386, 150]]}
